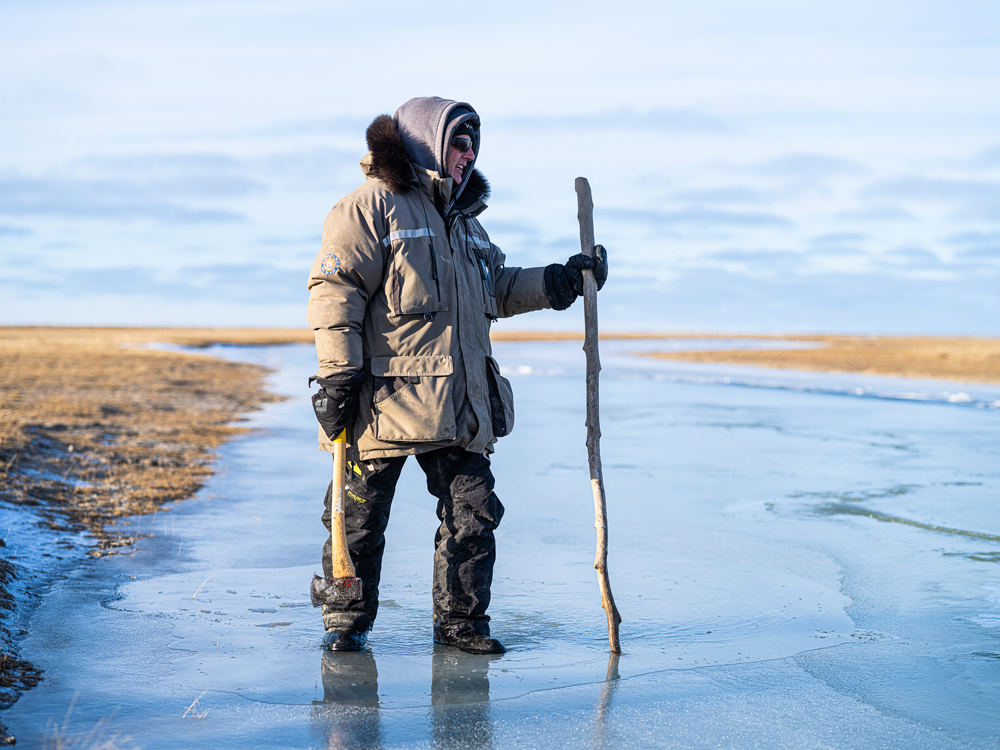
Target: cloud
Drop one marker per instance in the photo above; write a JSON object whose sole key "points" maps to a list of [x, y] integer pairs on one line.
{"points": [[979, 199], [912, 257], [725, 194], [324, 126], [713, 299], [976, 246], [837, 240], [757, 256], [755, 263], [512, 227], [875, 214], [189, 163], [989, 158], [811, 167], [14, 262], [180, 175], [99, 199], [706, 218], [166, 188], [976, 239], [6, 230], [244, 283], [838, 253], [986, 252], [313, 166], [312, 239], [664, 120], [223, 176]]}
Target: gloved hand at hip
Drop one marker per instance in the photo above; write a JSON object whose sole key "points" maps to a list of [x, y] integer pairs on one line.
{"points": [[336, 402], [564, 283]]}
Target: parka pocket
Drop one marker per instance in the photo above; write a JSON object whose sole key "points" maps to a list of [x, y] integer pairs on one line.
{"points": [[412, 400], [489, 287], [414, 285], [479, 250], [501, 399]]}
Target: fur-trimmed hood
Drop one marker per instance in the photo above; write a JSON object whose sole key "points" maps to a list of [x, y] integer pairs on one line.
{"points": [[391, 162]]}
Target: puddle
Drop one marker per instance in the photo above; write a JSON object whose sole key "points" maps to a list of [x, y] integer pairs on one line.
{"points": [[690, 616]]}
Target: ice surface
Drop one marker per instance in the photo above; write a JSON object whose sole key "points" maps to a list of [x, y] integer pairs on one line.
{"points": [[800, 559]]}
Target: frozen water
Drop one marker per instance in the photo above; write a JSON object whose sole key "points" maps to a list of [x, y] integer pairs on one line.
{"points": [[801, 559]]}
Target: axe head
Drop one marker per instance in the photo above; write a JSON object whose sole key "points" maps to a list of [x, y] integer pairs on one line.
{"points": [[332, 590]]}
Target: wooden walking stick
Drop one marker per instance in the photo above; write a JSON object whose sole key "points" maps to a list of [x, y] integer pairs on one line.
{"points": [[585, 214]]}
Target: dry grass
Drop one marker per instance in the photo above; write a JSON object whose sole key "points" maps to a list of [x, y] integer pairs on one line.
{"points": [[963, 359], [92, 427]]}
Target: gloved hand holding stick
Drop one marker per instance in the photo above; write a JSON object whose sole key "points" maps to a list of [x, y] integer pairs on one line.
{"points": [[585, 214]]}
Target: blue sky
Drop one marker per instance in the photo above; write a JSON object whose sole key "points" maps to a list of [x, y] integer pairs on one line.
{"points": [[801, 165]]}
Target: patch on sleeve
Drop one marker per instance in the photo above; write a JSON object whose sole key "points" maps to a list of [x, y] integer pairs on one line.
{"points": [[330, 264]]}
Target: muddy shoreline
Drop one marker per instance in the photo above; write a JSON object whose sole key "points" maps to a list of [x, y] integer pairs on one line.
{"points": [[94, 427]]}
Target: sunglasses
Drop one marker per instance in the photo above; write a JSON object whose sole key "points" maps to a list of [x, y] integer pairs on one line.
{"points": [[463, 144]]}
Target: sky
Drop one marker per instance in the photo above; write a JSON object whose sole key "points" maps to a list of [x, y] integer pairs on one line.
{"points": [[758, 166]]}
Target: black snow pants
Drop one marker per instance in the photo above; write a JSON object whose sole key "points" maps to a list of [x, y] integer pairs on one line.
{"points": [[464, 547]]}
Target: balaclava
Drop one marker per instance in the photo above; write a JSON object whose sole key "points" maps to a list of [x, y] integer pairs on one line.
{"points": [[428, 123]]}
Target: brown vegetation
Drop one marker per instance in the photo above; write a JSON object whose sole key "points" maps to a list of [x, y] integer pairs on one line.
{"points": [[94, 426], [963, 359]]}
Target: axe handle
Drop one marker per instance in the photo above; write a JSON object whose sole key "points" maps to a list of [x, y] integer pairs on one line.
{"points": [[342, 565]]}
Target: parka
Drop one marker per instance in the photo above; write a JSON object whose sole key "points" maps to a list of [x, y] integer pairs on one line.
{"points": [[405, 288]]}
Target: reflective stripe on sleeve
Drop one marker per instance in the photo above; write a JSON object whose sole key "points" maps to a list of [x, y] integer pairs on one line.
{"points": [[403, 234], [477, 240]]}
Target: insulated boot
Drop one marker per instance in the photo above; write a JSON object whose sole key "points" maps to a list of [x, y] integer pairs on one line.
{"points": [[345, 640], [468, 640]]}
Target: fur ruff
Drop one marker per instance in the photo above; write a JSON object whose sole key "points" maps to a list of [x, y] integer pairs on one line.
{"points": [[392, 164]]}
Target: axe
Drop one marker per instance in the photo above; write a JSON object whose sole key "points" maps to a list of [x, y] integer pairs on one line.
{"points": [[344, 585]]}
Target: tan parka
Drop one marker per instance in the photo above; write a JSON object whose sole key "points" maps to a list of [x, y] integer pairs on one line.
{"points": [[407, 297]]}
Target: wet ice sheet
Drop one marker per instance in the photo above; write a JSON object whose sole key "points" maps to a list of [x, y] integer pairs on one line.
{"points": [[745, 522], [254, 631]]}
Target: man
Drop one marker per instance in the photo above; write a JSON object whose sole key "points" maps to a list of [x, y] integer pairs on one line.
{"points": [[401, 299]]}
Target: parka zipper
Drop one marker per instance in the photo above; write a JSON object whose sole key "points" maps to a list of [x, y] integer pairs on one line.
{"points": [[434, 272], [434, 264]]}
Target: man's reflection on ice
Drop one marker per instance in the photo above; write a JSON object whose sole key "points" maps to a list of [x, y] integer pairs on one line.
{"points": [[460, 698], [348, 715]]}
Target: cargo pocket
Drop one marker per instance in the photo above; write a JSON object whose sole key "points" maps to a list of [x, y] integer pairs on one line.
{"points": [[414, 282], [489, 287], [412, 400], [501, 400]]}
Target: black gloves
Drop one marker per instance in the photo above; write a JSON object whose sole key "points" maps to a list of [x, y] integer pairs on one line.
{"points": [[598, 264], [336, 402], [564, 283]]}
